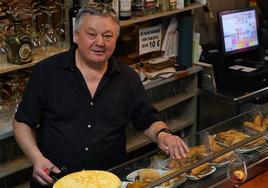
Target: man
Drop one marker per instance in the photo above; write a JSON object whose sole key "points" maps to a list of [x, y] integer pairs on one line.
{"points": [[77, 104]]}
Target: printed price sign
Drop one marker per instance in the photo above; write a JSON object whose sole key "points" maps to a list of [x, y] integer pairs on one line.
{"points": [[149, 39]]}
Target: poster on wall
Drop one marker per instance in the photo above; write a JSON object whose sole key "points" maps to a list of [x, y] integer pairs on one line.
{"points": [[150, 39]]}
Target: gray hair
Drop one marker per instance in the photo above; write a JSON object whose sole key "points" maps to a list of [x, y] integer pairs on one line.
{"points": [[97, 9]]}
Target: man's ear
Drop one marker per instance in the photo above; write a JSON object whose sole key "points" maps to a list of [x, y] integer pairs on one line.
{"points": [[75, 37]]}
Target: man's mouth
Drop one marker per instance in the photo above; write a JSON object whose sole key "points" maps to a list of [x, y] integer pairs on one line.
{"points": [[98, 51]]}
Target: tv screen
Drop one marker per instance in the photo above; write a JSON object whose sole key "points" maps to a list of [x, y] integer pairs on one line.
{"points": [[238, 30]]}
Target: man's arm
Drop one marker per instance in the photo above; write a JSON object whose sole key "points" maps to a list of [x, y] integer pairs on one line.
{"points": [[171, 144], [25, 138]]}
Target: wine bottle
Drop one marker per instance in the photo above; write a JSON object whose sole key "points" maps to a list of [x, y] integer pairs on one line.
{"points": [[124, 9], [72, 13], [19, 46]]}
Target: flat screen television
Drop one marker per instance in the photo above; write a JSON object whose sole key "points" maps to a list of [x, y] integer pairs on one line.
{"points": [[238, 30]]}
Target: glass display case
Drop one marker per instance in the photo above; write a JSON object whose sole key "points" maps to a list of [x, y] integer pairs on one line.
{"points": [[243, 137]]}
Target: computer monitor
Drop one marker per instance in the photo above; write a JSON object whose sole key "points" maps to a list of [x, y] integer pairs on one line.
{"points": [[238, 30]]}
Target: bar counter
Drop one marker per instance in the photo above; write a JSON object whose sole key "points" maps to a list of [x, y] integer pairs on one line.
{"points": [[260, 181]]}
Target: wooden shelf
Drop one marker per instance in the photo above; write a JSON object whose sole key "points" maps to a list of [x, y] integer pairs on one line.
{"points": [[135, 20], [6, 127], [177, 75], [8, 67], [171, 101], [14, 166], [141, 140]]}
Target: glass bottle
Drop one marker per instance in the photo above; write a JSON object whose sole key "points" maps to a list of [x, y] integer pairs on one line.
{"points": [[72, 14], [19, 47], [137, 8], [149, 6], [124, 9]]}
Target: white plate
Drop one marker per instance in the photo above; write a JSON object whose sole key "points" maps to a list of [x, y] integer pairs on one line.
{"points": [[241, 150], [245, 150], [173, 185], [132, 176], [163, 164], [124, 184], [192, 177], [218, 165]]}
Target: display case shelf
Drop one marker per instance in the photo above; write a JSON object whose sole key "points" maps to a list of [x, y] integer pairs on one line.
{"points": [[256, 159]]}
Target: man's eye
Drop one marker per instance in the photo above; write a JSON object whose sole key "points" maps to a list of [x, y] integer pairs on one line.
{"points": [[107, 36], [92, 34]]}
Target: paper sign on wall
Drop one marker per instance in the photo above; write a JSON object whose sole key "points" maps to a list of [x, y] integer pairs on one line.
{"points": [[150, 39]]}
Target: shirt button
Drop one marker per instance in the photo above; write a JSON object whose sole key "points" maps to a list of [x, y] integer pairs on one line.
{"points": [[91, 103], [89, 126], [86, 148]]}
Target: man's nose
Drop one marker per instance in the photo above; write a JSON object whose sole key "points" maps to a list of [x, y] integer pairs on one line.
{"points": [[99, 40]]}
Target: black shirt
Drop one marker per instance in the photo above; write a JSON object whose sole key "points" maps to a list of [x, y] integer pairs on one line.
{"points": [[75, 130]]}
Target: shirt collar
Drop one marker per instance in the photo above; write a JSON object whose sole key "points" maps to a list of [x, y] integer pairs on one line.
{"points": [[69, 61]]}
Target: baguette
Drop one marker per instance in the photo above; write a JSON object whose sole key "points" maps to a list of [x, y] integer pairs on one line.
{"points": [[198, 170], [258, 120], [265, 122], [136, 184], [253, 126], [223, 158]]}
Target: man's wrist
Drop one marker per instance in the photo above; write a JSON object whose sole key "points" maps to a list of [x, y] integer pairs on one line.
{"points": [[166, 130]]}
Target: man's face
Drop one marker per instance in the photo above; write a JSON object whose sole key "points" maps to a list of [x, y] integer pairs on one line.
{"points": [[97, 38]]}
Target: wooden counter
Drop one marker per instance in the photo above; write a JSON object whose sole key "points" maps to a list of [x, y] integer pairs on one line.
{"points": [[260, 181]]}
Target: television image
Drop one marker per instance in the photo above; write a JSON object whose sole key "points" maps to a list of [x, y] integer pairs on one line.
{"points": [[238, 30]]}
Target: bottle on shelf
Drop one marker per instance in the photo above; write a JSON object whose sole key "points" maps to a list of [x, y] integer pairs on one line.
{"points": [[124, 9], [137, 8], [149, 6], [19, 46], [172, 4], [179, 4], [72, 13], [188, 2]]}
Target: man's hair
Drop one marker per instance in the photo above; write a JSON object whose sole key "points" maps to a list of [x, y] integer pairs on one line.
{"points": [[96, 9]]}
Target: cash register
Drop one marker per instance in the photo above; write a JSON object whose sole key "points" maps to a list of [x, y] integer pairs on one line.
{"points": [[240, 65]]}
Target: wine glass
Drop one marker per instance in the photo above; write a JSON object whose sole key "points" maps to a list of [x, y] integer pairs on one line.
{"points": [[61, 25], [50, 36], [3, 45], [38, 43], [237, 171]]}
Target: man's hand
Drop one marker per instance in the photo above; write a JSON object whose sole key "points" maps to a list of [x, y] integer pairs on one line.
{"points": [[41, 169], [172, 145]]}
